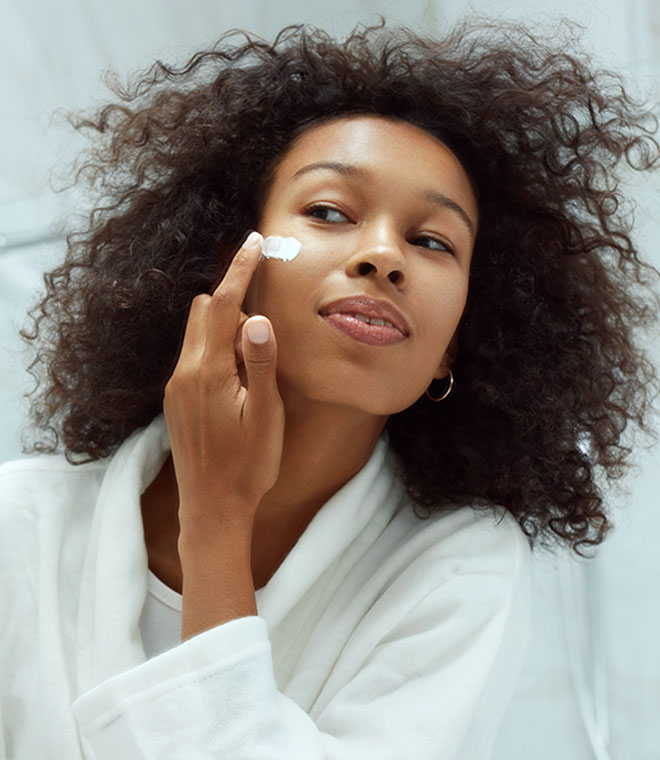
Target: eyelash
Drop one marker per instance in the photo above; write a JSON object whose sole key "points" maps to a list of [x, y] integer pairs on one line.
{"points": [[323, 207], [447, 247], [309, 211]]}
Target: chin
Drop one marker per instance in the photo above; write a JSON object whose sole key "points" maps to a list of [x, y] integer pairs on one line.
{"points": [[348, 391], [367, 404]]}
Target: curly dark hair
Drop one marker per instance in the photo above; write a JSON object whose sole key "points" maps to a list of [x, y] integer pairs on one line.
{"points": [[549, 370]]}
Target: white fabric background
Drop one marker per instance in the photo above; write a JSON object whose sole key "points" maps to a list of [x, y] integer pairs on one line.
{"points": [[52, 58]]}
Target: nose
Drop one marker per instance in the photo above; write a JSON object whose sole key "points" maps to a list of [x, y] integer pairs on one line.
{"points": [[379, 254]]}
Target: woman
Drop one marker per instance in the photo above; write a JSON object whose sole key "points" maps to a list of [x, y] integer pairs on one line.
{"points": [[245, 575]]}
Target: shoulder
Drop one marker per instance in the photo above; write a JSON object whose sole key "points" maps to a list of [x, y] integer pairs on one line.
{"points": [[466, 539], [461, 561], [459, 538], [466, 572], [43, 483]]}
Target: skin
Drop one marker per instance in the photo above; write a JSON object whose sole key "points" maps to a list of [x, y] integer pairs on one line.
{"points": [[246, 420]]}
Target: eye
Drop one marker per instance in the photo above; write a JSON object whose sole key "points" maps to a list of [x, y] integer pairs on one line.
{"points": [[435, 244], [326, 213]]}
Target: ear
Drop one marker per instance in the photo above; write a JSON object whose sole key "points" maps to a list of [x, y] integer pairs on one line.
{"points": [[448, 359]]}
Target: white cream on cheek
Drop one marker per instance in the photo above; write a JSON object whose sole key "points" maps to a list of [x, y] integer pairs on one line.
{"points": [[281, 248]]}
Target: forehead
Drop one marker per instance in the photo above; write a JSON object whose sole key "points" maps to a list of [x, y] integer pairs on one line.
{"points": [[394, 149]]}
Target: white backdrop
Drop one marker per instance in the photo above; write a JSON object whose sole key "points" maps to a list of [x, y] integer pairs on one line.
{"points": [[52, 58]]}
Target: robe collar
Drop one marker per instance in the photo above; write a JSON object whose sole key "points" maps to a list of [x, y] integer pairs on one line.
{"points": [[114, 582]]}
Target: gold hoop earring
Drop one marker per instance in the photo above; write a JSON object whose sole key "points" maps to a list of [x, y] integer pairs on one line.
{"points": [[446, 393]]}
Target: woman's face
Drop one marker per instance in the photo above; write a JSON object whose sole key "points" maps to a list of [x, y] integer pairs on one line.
{"points": [[384, 210]]}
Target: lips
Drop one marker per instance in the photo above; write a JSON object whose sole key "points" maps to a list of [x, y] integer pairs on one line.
{"points": [[369, 307]]}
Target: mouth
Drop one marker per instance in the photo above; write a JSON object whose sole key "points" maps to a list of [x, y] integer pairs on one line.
{"points": [[368, 311], [355, 327]]}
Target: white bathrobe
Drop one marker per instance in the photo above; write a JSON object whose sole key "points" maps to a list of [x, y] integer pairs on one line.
{"points": [[380, 637]]}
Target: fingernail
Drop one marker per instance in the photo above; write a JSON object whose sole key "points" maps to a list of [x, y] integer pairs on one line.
{"points": [[258, 331], [252, 240]]}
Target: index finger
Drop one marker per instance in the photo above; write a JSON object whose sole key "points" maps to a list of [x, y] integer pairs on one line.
{"points": [[226, 301]]}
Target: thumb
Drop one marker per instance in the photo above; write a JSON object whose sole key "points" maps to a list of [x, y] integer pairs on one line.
{"points": [[260, 360], [259, 354]]}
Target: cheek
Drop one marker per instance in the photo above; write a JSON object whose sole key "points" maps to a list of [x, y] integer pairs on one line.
{"points": [[275, 286], [265, 283], [457, 306], [445, 313], [249, 305]]}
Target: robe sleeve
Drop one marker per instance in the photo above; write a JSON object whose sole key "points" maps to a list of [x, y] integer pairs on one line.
{"points": [[433, 685]]}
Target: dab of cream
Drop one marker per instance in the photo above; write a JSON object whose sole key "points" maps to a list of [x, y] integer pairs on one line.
{"points": [[281, 248]]}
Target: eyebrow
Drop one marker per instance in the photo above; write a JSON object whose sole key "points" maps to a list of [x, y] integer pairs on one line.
{"points": [[349, 170], [444, 201]]}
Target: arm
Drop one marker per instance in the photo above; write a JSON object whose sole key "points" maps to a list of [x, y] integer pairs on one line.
{"points": [[431, 687], [226, 446], [217, 584]]}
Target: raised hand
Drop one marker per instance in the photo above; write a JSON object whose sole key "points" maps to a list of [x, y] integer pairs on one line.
{"points": [[226, 438]]}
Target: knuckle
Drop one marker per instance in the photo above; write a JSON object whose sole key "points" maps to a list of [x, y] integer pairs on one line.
{"points": [[198, 304], [200, 300], [242, 261], [170, 389], [174, 383], [221, 297], [242, 257], [262, 363]]}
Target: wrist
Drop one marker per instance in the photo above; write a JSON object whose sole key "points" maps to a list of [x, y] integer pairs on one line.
{"points": [[215, 535], [203, 518], [217, 583]]}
